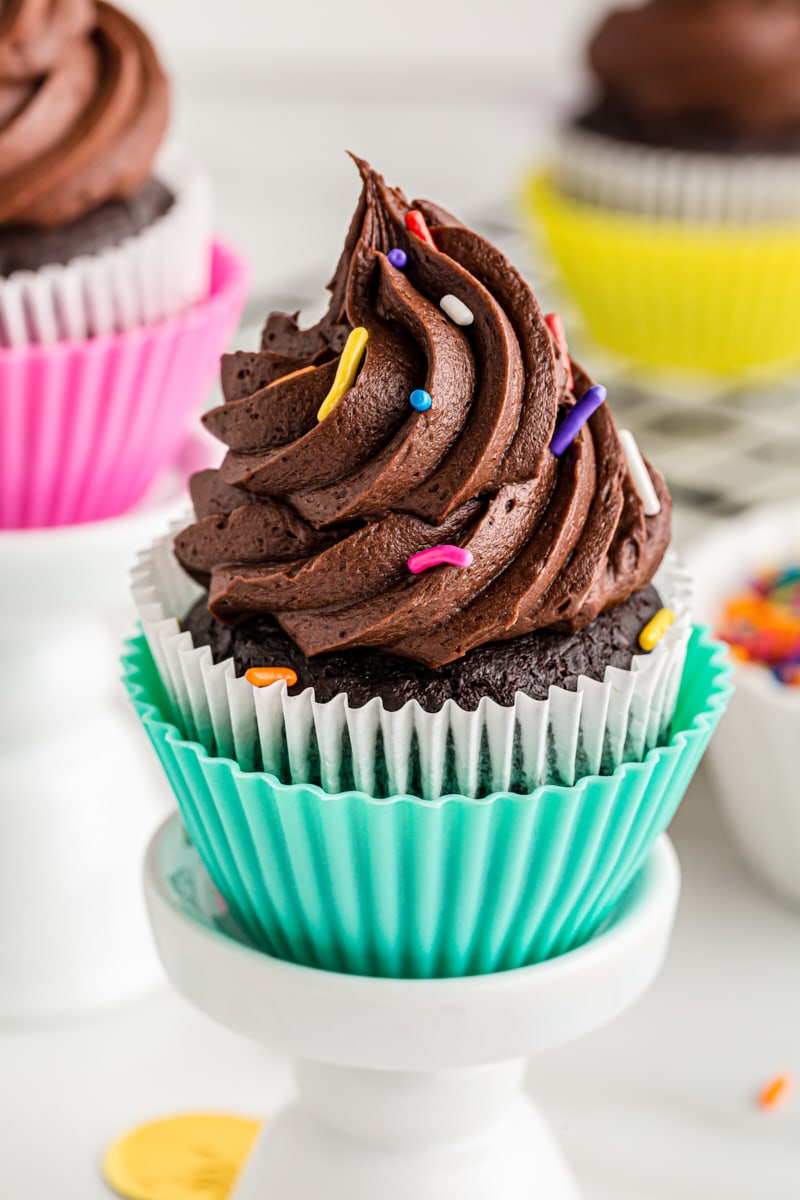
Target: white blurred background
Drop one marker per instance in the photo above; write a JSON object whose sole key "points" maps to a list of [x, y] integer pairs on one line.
{"points": [[501, 34], [449, 100]]}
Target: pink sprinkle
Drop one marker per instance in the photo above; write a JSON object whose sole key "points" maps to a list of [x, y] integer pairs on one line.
{"points": [[556, 327], [454, 555]]}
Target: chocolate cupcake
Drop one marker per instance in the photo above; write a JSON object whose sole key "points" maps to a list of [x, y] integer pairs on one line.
{"points": [[93, 236], [696, 114], [431, 547], [407, 542], [673, 203], [115, 302], [710, 76]]}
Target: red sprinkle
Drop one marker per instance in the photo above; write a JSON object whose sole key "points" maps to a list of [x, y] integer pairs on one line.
{"points": [[419, 226], [556, 327]]}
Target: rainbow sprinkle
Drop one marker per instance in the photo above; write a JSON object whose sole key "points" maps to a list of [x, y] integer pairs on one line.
{"points": [[576, 417], [456, 310], [762, 624], [556, 327], [775, 1092], [655, 629], [455, 556], [346, 371], [264, 676], [420, 400], [417, 224]]}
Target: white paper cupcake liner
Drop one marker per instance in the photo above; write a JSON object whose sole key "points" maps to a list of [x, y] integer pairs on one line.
{"points": [[676, 184], [410, 752], [157, 274]]}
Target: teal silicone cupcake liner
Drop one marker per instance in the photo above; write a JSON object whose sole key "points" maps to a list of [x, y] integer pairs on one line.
{"points": [[412, 888]]}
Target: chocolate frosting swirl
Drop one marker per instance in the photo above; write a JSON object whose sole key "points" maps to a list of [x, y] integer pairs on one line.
{"points": [[314, 522], [681, 70], [84, 105]]}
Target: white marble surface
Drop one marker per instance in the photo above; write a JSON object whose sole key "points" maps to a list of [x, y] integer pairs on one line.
{"points": [[659, 1106]]}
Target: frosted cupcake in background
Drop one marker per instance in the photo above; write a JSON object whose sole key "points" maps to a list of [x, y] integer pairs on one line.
{"points": [[113, 303], [698, 115], [418, 669], [673, 204], [748, 585]]}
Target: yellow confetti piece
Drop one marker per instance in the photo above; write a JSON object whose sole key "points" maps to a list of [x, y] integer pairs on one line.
{"points": [[655, 629], [194, 1157], [346, 371]]}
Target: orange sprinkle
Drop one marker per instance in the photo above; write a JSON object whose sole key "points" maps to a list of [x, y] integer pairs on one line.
{"points": [[292, 375], [775, 1092], [264, 676]]}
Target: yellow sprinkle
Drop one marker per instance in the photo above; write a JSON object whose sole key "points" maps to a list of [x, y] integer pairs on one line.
{"points": [[349, 363], [655, 629]]}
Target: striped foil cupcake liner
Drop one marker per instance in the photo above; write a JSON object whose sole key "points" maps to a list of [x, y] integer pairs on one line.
{"points": [[301, 740], [677, 184]]}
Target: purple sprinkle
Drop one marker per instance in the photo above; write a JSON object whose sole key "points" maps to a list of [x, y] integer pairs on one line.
{"points": [[576, 418], [398, 258]]}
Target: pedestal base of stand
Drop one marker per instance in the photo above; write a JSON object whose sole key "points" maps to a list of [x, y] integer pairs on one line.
{"points": [[80, 795], [509, 1153], [407, 1089], [74, 828]]}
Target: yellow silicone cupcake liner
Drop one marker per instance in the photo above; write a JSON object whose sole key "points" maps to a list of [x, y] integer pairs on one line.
{"points": [[672, 293]]}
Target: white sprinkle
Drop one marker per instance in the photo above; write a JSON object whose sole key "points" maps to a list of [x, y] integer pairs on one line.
{"points": [[640, 476], [456, 310]]}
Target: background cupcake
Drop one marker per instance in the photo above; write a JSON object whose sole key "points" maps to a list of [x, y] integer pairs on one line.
{"points": [[113, 306], [685, 173], [451, 568]]}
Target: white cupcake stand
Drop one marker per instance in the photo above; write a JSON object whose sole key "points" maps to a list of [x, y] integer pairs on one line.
{"points": [[80, 795], [406, 1089]]}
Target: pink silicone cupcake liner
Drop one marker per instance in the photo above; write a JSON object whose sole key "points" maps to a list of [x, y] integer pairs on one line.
{"points": [[86, 426]]}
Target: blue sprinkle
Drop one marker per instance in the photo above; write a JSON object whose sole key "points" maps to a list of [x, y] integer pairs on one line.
{"points": [[421, 400], [398, 258], [576, 418]]}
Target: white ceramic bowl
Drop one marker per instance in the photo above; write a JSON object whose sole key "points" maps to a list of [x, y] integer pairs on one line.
{"points": [[755, 755]]}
